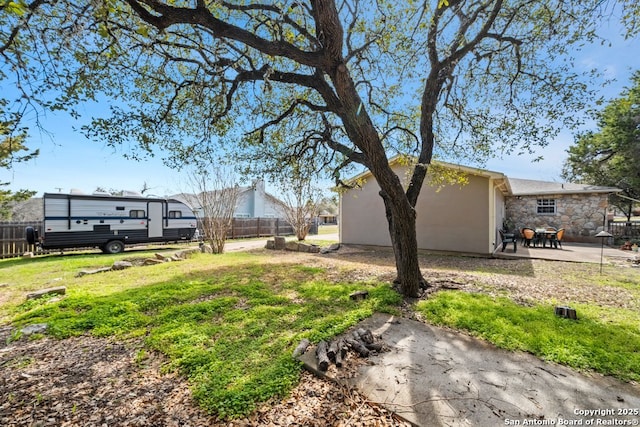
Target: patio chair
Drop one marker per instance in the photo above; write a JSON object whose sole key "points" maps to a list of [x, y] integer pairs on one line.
{"points": [[529, 236], [509, 238], [557, 238]]}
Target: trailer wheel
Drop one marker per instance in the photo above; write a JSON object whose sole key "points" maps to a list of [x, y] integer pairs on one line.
{"points": [[31, 235], [113, 247]]}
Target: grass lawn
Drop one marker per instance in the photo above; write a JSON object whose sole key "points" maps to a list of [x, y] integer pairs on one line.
{"points": [[328, 229], [589, 343], [230, 322]]}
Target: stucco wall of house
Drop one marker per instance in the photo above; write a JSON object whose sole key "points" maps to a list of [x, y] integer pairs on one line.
{"points": [[455, 218], [581, 215], [362, 219], [245, 207], [255, 202]]}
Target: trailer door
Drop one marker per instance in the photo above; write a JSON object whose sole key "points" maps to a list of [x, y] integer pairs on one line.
{"points": [[155, 219]]}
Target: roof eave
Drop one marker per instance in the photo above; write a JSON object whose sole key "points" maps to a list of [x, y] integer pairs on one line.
{"points": [[465, 169], [545, 193]]}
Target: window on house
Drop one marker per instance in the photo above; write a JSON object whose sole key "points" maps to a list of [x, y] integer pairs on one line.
{"points": [[546, 206], [175, 214], [136, 213]]}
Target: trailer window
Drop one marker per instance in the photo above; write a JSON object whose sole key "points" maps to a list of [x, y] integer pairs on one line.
{"points": [[136, 213], [175, 214], [119, 208]]}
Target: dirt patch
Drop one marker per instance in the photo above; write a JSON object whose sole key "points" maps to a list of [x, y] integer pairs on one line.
{"points": [[523, 280]]}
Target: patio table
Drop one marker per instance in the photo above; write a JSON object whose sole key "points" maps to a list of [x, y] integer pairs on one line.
{"points": [[545, 235]]}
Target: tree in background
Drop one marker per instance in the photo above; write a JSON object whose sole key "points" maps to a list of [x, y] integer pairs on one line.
{"points": [[630, 17], [610, 156], [213, 196], [301, 201], [329, 204], [332, 83], [12, 132], [12, 151]]}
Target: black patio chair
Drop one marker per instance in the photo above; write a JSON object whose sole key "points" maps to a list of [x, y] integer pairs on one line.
{"points": [[509, 238]]}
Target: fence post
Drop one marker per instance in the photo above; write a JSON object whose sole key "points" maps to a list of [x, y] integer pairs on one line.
{"points": [[313, 229]]}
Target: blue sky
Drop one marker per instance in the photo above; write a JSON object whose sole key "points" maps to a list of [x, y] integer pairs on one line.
{"points": [[618, 63], [67, 160]]}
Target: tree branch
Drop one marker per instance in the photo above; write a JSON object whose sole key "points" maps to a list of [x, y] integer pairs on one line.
{"points": [[164, 16]]}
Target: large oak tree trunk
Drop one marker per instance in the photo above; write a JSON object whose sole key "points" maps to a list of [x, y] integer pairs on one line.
{"points": [[362, 132], [401, 215], [402, 230]]}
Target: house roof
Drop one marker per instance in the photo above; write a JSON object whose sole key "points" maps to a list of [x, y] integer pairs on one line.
{"points": [[399, 159], [514, 186], [499, 177], [528, 187]]}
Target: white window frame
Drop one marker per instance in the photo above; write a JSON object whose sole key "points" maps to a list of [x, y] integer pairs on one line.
{"points": [[546, 206]]}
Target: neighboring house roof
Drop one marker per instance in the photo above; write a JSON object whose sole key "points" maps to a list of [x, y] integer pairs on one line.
{"points": [[193, 200], [274, 199], [530, 187]]}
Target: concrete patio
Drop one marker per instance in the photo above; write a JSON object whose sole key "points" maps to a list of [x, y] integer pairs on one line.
{"points": [[573, 252]]}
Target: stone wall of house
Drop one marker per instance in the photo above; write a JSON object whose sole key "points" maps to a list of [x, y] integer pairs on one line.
{"points": [[581, 215]]}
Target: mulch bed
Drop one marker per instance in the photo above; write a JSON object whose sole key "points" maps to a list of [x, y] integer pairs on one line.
{"points": [[88, 381]]}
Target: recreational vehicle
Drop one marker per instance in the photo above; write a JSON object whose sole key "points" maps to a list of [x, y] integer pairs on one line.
{"points": [[110, 222]]}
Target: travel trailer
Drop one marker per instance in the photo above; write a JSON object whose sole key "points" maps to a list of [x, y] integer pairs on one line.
{"points": [[110, 222]]}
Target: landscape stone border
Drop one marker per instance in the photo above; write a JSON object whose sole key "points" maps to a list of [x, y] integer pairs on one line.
{"points": [[159, 258]]}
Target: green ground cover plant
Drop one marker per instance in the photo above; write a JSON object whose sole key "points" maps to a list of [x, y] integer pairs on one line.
{"points": [[228, 323], [595, 341]]}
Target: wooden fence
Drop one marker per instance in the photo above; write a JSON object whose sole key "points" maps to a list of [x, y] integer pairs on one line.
{"points": [[13, 242], [625, 230], [259, 227], [12, 238]]}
